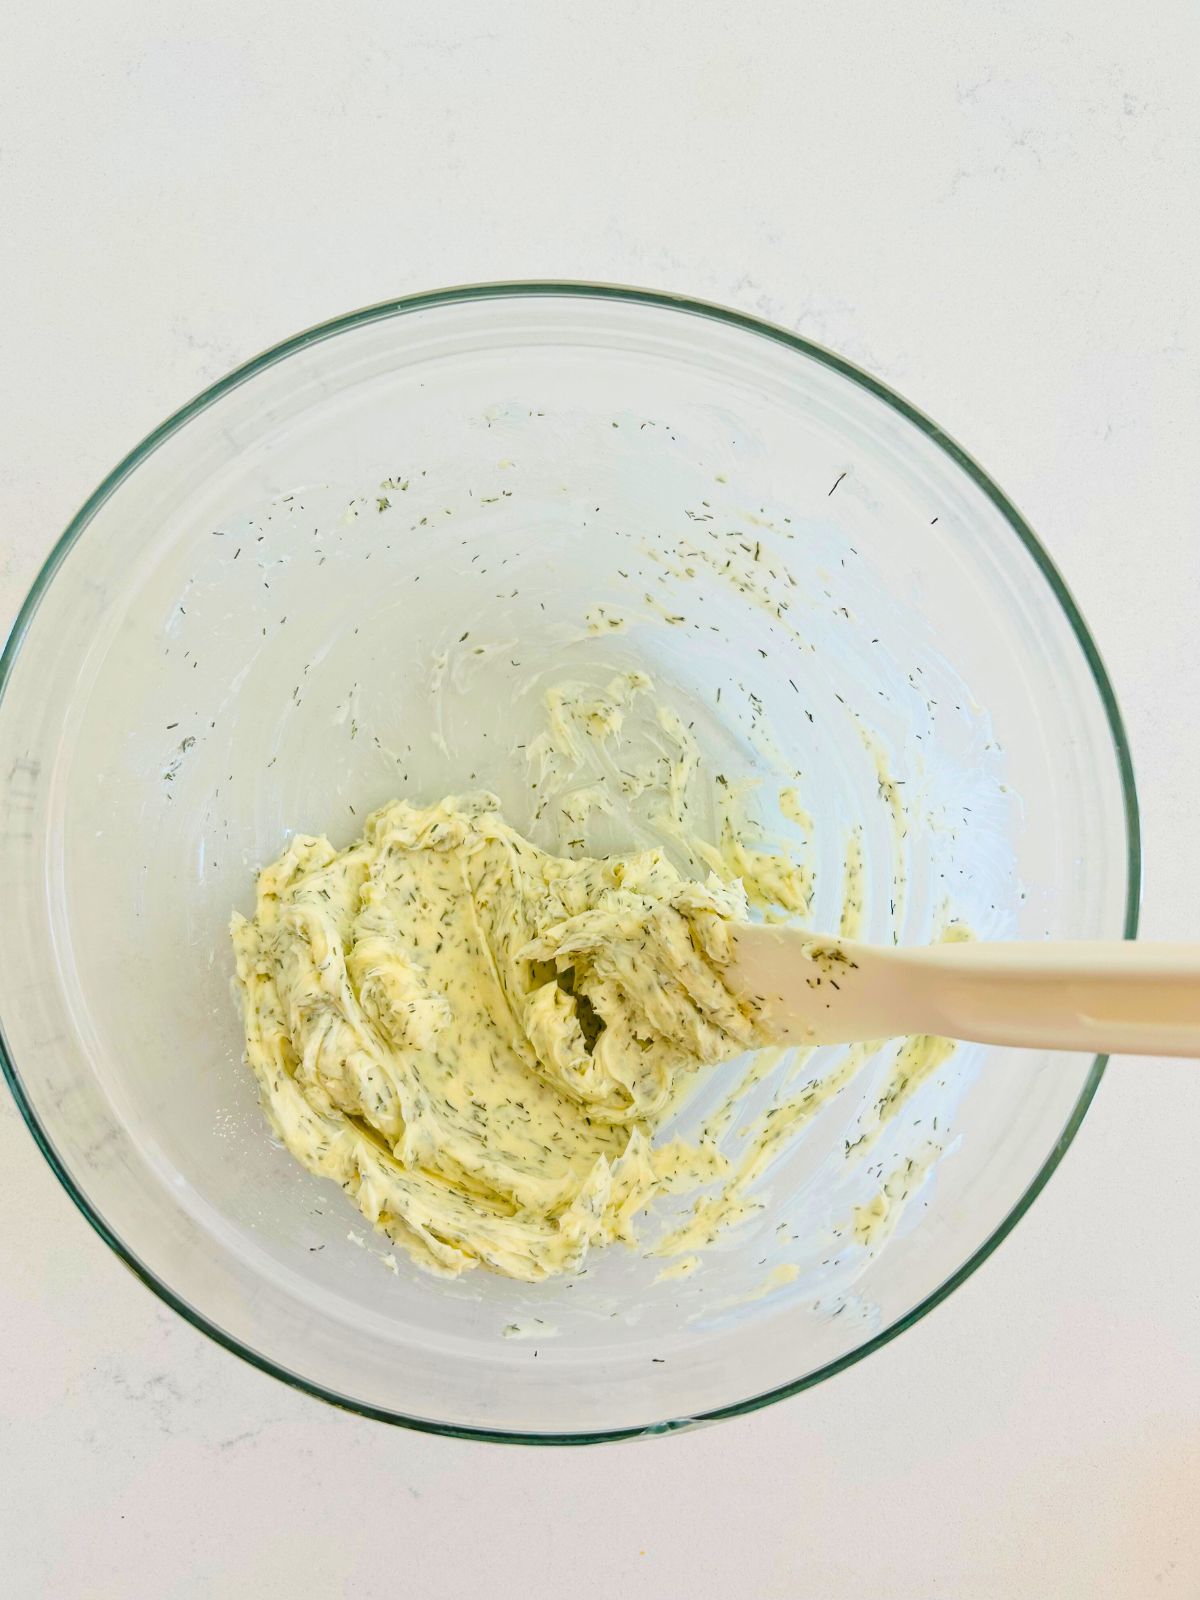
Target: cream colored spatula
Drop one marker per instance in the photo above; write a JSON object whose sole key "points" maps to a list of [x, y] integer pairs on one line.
{"points": [[1142, 999]]}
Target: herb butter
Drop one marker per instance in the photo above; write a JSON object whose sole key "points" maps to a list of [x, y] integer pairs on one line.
{"points": [[476, 1039]]}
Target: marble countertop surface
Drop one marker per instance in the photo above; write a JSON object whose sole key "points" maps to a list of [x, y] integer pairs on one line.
{"points": [[992, 207]]}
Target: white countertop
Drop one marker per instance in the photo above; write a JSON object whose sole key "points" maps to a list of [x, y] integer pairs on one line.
{"points": [[991, 206]]}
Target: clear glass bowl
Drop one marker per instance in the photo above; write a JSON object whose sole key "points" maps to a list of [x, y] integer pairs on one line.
{"points": [[234, 638]]}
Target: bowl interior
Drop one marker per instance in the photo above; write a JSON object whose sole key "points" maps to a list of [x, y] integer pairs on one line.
{"points": [[350, 573]]}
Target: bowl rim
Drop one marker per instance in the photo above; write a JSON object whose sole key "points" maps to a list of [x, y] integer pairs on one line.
{"points": [[757, 326]]}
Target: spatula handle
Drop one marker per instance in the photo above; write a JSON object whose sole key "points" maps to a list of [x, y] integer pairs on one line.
{"points": [[1142, 999]]}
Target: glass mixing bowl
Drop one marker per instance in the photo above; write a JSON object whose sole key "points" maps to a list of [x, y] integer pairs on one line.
{"points": [[257, 624]]}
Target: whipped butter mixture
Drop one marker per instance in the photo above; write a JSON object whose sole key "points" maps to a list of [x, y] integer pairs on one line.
{"points": [[475, 1038], [479, 1039]]}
